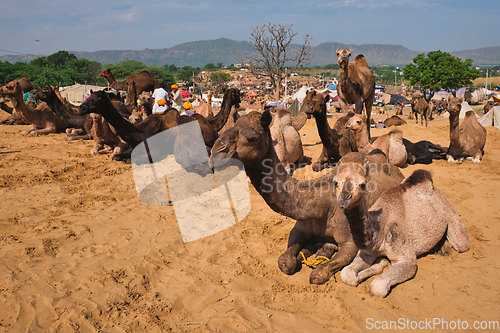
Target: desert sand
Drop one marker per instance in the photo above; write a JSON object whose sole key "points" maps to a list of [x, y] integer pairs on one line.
{"points": [[80, 253]]}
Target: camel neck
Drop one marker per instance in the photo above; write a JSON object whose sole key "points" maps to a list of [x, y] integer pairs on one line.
{"points": [[344, 72], [57, 106], [297, 199], [127, 131], [362, 141], [218, 121], [454, 130], [363, 228], [324, 129]]}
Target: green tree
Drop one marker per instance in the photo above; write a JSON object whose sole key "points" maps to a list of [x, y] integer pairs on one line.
{"points": [[220, 78], [60, 58], [440, 70], [209, 66]]}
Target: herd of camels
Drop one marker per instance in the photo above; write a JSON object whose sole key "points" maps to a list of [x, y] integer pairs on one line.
{"points": [[362, 215]]}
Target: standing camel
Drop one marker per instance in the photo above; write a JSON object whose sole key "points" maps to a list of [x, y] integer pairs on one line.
{"points": [[356, 84], [144, 81]]}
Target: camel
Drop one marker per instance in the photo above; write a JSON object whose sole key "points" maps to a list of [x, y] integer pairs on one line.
{"points": [[44, 121], [356, 84], [15, 117], [420, 106], [336, 141], [423, 152], [311, 203], [82, 125], [26, 84], [405, 222], [104, 134], [487, 107], [468, 140], [144, 81], [391, 143], [394, 121], [205, 108], [286, 139]]}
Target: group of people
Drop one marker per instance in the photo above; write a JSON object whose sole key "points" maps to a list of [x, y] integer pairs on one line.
{"points": [[163, 100]]}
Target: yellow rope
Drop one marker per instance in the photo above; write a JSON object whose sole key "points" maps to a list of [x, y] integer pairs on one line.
{"points": [[315, 262]]}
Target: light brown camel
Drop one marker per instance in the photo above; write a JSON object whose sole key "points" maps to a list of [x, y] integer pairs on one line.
{"points": [[26, 84], [104, 134], [391, 143], [144, 81], [468, 140], [419, 106], [15, 117], [336, 141], [312, 203], [205, 108], [44, 121], [286, 139], [488, 106], [394, 121], [356, 84], [406, 221]]}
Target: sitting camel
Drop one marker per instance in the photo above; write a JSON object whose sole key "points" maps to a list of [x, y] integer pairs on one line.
{"points": [[336, 141], [394, 121], [15, 117], [104, 134], [391, 143], [420, 106], [406, 221], [311, 203], [356, 84], [423, 152], [467, 140], [44, 121], [286, 139], [205, 108]]}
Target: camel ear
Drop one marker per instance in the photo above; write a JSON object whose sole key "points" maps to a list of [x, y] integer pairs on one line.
{"points": [[337, 51], [461, 100], [363, 116], [265, 119], [327, 98], [349, 52]]}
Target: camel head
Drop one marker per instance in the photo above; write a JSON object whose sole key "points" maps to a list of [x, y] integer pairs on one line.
{"points": [[343, 56], [105, 73], [350, 184], [454, 105], [11, 89], [314, 103], [357, 123], [145, 98], [44, 94], [248, 141], [97, 100]]}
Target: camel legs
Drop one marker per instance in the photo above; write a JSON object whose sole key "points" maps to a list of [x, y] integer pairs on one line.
{"points": [[321, 164], [44, 131], [343, 106], [368, 109], [361, 268], [298, 237], [324, 272], [401, 270], [28, 131]]}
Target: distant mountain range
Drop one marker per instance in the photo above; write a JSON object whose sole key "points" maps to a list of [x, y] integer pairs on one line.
{"points": [[226, 51]]}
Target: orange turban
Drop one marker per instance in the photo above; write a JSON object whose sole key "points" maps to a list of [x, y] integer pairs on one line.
{"points": [[187, 105], [174, 86], [161, 102]]}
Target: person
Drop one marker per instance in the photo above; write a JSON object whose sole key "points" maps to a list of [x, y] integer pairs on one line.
{"points": [[176, 97], [187, 106], [160, 96], [380, 124]]}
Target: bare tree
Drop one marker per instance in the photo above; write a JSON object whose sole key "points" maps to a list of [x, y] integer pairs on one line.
{"points": [[272, 43]]}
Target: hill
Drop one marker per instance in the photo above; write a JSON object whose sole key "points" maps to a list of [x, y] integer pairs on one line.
{"points": [[226, 51]]}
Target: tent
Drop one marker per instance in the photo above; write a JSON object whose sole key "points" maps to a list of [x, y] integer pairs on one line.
{"points": [[184, 94], [301, 94], [492, 118], [75, 93]]}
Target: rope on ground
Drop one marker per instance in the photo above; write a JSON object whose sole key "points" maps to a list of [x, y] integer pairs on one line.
{"points": [[314, 262]]}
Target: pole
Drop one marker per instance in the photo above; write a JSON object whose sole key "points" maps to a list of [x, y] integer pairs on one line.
{"points": [[286, 83]]}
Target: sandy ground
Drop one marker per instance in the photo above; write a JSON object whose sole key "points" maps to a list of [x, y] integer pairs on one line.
{"points": [[80, 253]]}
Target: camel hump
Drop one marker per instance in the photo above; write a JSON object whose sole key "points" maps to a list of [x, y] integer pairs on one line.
{"points": [[470, 114], [282, 112], [421, 178], [360, 60]]}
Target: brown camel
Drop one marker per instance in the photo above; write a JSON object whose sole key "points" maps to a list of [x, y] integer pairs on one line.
{"points": [[205, 108], [406, 221], [104, 134], [391, 143], [419, 106], [488, 106], [394, 121], [311, 202], [144, 81], [286, 139], [15, 117], [336, 141], [356, 84], [26, 84], [44, 121], [81, 125], [468, 140]]}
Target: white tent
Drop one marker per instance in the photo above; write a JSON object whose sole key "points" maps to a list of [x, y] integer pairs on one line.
{"points": [[301, 94], [465, 108], [492, 118]]}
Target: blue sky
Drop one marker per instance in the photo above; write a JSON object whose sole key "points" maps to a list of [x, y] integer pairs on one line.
{"points": [[90, 25]]}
